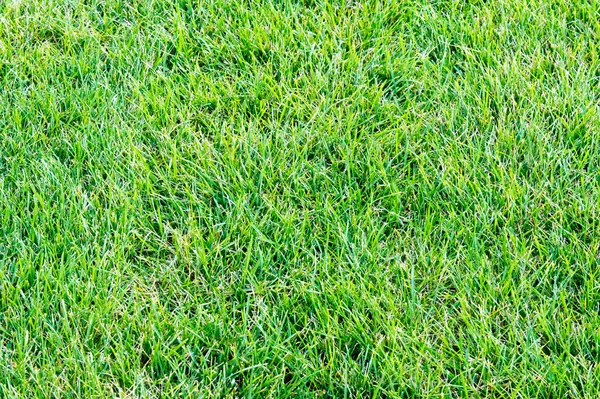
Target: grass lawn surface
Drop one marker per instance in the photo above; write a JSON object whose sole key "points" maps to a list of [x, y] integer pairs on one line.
{"points": [[299, 199]]}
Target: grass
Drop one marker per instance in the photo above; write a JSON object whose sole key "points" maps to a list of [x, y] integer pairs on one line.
{"points": [[374, 199]]}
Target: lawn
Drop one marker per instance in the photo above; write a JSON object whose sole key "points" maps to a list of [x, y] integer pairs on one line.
{"points": [[287, 198]]}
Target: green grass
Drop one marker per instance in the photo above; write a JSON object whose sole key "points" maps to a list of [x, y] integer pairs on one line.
{"points": [[370, 199]]}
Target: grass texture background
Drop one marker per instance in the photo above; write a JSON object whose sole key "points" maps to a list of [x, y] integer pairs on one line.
{"points": [[369, 199]]}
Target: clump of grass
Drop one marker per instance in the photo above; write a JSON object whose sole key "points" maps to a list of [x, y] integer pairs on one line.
{"points": [[299, 199]]}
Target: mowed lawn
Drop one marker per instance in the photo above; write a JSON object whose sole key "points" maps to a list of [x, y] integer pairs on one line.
{"points": [[299, 199]]}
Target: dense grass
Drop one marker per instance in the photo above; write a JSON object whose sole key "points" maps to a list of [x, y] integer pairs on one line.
{"points": [[222, 198]]}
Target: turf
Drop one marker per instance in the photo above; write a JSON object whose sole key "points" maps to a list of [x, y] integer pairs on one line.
{"points": [[368, 199]]}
